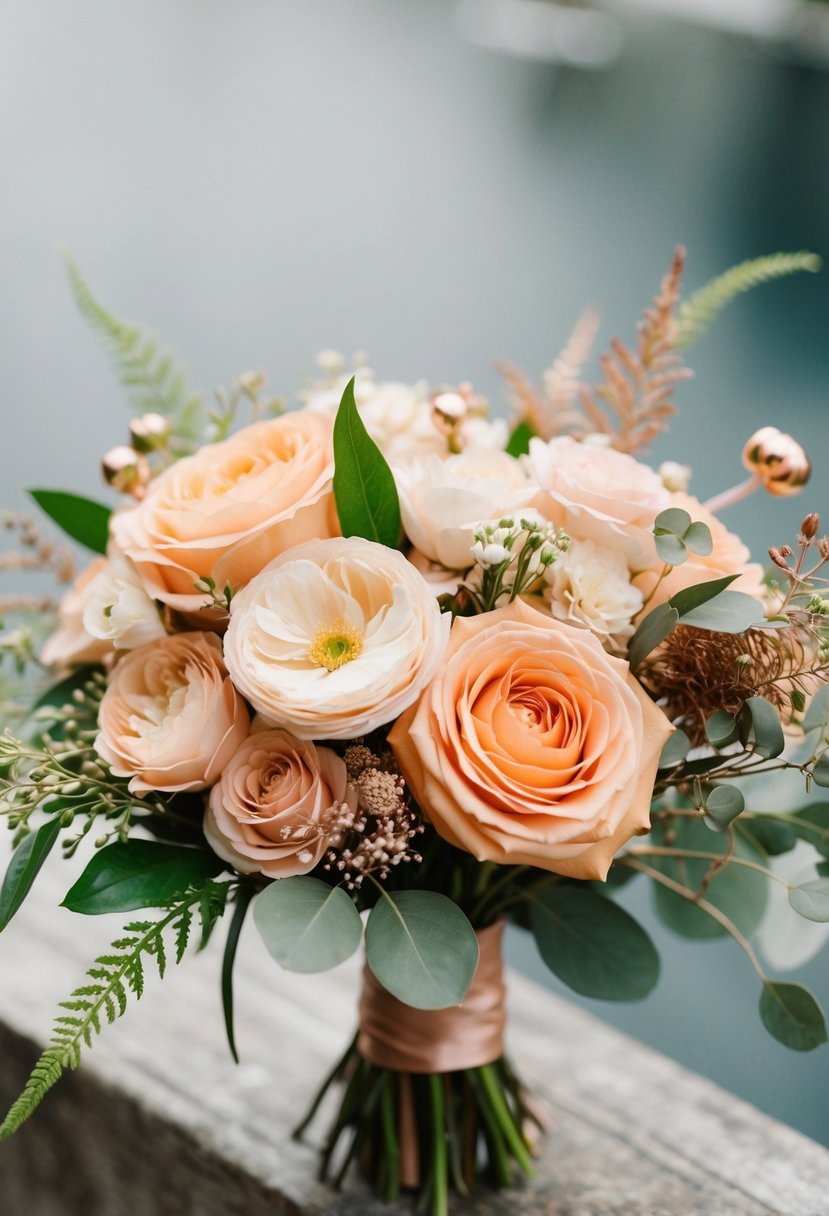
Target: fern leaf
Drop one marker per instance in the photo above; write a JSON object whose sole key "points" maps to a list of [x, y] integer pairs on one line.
{"points": [[698, 313], [151, 376], [108, 998]]}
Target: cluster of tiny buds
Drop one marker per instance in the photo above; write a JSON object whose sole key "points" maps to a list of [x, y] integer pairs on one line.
{"points": [[496, 543]]}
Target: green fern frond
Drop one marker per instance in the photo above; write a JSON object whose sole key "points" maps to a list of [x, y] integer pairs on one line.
{"points": [[153, 379], [112, 975], [698, 313]]}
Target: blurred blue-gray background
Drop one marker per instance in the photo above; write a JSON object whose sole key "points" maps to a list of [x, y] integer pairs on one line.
{"points": [[260, 179]]}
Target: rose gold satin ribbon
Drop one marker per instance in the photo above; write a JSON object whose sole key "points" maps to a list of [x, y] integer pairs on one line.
{"points": [[397, 1037]]}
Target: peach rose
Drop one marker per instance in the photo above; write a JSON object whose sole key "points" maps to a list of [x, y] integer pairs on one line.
{"points": [[229, 509], [170, 718], [271, 809], [532, 746], [72, 642], [597, 493], [728, 556]]}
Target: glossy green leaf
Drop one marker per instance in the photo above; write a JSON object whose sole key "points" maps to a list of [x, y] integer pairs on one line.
{"points": [[364, 489], [811, 900], [84, 520], [138, 874], [592, 944], [761, 722], [675, 750], [722, 806], [728, 612], [721, 728], [791, 1013], [519, 440], [422, 948], [651, 631], [700, 593], [306, 925], [817, 715], [699, 540], [24, 867]]}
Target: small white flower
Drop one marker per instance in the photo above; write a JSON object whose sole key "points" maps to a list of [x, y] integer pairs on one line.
{"points": [[675, 477], [118, 609], [590, 586]]}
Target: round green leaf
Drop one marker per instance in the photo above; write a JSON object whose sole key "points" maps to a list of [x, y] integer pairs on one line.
{"points": [[811, 900], [422, 948], [698, 539], [762, 721], [817, 715], [672, 520], [675, 750], [721, 728], [792, 1015], [670, 548], [820, 771], [592, 944], [722, 806], [771, 835], [307, 925], [138, 874], [811, 823]]}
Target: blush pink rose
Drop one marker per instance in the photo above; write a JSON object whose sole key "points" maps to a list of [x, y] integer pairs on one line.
{"points": [[231, 508], [170, 718], [532, 746], [273, 807], [599, 494]]}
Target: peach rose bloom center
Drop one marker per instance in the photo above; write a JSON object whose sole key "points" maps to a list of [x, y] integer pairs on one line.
{"points": [[533, 746]]}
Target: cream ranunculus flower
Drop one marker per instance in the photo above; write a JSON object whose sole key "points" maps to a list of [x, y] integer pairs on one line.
{"points": [[532, 746], [273, 808], [118, 609], [597, 493], [335, 638], [170, 718], [72, 642], [441, 501], [231, 508], [590, 586]]}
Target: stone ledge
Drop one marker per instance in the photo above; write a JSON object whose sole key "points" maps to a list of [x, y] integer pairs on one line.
{"points": [[160, 1121]]}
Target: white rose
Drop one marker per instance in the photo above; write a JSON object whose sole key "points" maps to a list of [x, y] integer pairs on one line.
{"points": [[441, 501], [335, 638], [590, 586], [118, 609]]}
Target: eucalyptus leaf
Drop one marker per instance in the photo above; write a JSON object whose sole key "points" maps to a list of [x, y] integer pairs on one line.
{"points": [[698, 539], [675, 750], [811, 823], [820, 771], [673, 520], [592, 944], [671, 549], [722, 806], [364, 489], [306, 925], [84, 520], [421, 947], [138, 874], [728, 612], [769, 834], [651, 631], [791, 1013], [811, 900], [817, 715], [700, 593], [762, 721], [24, 867], [721, 728]]}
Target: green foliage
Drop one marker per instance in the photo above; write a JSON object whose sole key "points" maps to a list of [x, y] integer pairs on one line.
{"points": [[811, 900], [592, 944], [811, 823], [760, 723], [307, 925], [721, 728], [699, 311], [85, 521], [675, 535], [650, 632], [675, 750], [422, 948], [728, 612], [132, 874], [153, 379], [25, 866], [792, 1015], [723, 804], [705, 605], [364, 489], [817, 715], [769, 835], [111, 978], [519, 440]]}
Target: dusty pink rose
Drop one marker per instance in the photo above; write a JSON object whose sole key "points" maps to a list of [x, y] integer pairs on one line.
{"points": [[71, 642], [728, 556], [599, 494], [232, 507], [532, 746], [170, 718], [275, 801]]}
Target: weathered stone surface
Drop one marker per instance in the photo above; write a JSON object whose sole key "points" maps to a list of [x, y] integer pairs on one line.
{"points": [[160, 1121]]}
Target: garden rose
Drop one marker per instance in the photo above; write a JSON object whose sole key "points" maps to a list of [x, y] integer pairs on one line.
{"points": [[170, 718], [335, 638], [72, 642], [229, 509], [118, 609], [532, 746], [590, 586], [271, 809], [596, 493]]}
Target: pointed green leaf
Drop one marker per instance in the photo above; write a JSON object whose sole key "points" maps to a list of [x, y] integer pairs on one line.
{"points": [[24, 867], [84, 520], [364, 489], [422, 948], [651, 631], [728, 612], [519, 440], [592, 944], [307, 925], [243, 898], [792, 1015], [692, 597], [138, 874], [770, 835]]}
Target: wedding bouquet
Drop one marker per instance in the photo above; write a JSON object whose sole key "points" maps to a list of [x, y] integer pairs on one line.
{"points": [[390, 672]]}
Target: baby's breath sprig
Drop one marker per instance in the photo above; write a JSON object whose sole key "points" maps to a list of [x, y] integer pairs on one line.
{"points": [[512, 555]]}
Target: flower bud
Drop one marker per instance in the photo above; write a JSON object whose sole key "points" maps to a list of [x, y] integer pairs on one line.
{"points": [[150, 432], [252, 383], [675, 477], [778, 558], [125, 470], [810, 525], [778, 460]]}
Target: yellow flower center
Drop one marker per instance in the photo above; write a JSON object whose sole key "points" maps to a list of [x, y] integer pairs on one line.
{"points": [[334, 645]]}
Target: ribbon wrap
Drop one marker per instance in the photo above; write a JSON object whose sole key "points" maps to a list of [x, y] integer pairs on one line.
{"points": [[402, 1039]]}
